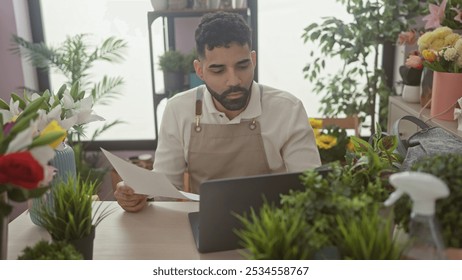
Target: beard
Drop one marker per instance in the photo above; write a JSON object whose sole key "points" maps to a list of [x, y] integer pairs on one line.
{"points": [[233, 104]]}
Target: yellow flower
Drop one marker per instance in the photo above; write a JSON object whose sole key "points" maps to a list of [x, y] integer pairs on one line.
{"points": [[53, 126], [350, 146], [326, 141], [451, 39], [429, 55], [317, 132], [315, 123]]}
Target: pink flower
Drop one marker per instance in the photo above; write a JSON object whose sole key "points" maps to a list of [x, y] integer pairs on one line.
{"points": [[408, 37], [436, 15], [414, 61]]}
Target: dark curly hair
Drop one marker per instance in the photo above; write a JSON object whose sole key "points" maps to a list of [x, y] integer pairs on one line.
{"points": [[220, 29]]}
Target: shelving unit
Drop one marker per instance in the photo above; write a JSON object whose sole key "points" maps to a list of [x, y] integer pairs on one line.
{"points": [[168, 22]]}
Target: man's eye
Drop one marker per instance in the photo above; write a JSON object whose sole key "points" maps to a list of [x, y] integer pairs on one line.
{"points": [[217, 71]]}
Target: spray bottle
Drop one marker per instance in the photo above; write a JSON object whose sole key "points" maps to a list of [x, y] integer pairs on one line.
{"points": [[424, 189]]}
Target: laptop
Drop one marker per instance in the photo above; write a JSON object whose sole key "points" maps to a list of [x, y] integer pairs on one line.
{"points": [[213, 226]]}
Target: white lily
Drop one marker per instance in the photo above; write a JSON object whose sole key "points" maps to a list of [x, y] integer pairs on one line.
{"points": [[81, 109], [12, 114], [23, 139]]}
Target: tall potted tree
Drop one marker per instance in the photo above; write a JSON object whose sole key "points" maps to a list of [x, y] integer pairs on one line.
{"points": [[74, 59], [360, 84]]}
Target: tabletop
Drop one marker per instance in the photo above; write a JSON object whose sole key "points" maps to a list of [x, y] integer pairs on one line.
{"points": [[160, 231]]}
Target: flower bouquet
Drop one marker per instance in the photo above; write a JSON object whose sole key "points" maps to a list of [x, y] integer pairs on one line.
{"points": [[26, 146], [332, 141], [441, 51]]}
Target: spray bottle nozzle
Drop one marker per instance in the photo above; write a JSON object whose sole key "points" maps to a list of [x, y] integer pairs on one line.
{"points": [[423, 188]]}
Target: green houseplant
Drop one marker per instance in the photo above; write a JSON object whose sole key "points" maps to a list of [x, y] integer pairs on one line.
{"points": [[360, 83], [68, 213], [448, 167], [74, 59], [172, 63], [329, 216], [44, 250]]}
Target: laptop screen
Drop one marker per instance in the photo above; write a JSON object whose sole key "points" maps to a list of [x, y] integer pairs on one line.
{"points": [[221, 199]]}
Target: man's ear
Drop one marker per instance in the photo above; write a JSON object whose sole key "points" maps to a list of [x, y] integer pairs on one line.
{"points": [[253, 56], [198, 69]]}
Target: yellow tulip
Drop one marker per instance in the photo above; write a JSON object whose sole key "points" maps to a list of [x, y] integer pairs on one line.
{"points": [[52, 127], [429, 55]]}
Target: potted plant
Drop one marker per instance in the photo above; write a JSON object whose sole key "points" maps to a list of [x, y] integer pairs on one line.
{"points": [[335, 211], [173, 65], [194, 80], [68, 214], [448, 168], [44, 250], [360, 82], [74, 58]]}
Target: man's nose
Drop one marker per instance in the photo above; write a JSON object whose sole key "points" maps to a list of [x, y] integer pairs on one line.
{"points": [[233, 79]]}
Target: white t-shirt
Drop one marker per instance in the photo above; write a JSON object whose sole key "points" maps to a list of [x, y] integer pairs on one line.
{"points": [[287, 135]]}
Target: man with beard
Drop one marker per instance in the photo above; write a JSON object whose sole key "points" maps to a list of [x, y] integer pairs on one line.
{"points": [[232, 126]]}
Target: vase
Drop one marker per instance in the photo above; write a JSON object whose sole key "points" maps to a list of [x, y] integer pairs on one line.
{"points": [[159, 5], [3, 229], [411, 94], [426, 86], [447, 89], [64, 162]]}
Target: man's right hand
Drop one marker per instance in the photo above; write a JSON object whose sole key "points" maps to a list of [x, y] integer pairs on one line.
{"points": [[128, 199]]}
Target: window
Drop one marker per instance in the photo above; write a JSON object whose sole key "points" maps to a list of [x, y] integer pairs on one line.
{"points": [[282, 53]]}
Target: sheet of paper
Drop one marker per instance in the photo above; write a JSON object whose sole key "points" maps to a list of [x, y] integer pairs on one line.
{"points": [[145, 181]]}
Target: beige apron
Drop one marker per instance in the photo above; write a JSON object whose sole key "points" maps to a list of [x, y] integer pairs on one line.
{"points": [[222, 151]]}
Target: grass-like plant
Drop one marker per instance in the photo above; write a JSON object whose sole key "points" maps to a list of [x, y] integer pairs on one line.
{"points": [[368, 236], [44, 250], [273, 233], [67, 213]]}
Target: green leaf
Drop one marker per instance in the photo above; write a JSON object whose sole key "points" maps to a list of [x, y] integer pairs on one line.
{"points": [[47, 138], [4, 105]]}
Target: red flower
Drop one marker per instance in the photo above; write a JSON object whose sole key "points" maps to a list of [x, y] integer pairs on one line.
{"points": [[20, 169]]}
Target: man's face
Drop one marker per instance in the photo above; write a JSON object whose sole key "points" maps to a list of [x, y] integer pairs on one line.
{"points": [[228, 74]]}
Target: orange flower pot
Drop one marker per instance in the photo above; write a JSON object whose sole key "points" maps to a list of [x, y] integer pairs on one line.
{"points": [[447, 89]]}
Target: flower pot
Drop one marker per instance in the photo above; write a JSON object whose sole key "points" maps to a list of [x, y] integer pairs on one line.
{"points": [[84, 245], [447, 89], [159, 5], [411, 94], [194, 80], [173, 82]]}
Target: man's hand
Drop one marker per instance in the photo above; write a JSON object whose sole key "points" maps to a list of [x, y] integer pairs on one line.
{"points": [[128, 199]]}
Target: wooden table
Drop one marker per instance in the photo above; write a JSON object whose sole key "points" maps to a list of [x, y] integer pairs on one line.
{"points": [[160, 231]]}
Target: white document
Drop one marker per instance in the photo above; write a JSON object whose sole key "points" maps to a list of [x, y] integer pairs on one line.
{"points": [[145, 181]]}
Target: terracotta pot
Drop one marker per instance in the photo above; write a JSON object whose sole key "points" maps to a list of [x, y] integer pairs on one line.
{"points": [[447, 89]]}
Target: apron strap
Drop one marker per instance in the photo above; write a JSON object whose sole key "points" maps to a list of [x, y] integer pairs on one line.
{"points": [[199, 95]]}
